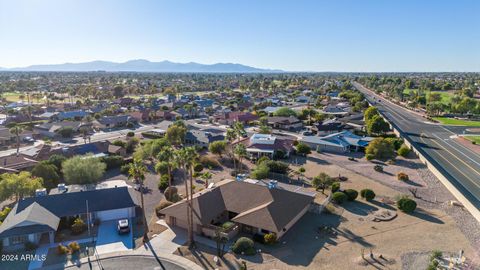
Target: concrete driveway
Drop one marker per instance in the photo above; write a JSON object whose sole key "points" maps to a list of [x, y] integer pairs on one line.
{"points": [[108, 239]]}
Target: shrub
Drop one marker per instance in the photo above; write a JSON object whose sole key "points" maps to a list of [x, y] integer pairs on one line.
{"points": [[270, 238], [160, 206], [170, 192], [209, 162], [259, 238], [339, 197], [112, 161], [163, 183], [74, 247], [61, 249], [436, 254], [378, 168], [198, 167], [402, 176], [124, 169], [277, 166], [301, 170], [351, 194], [367, 194], [335, 187], [262, 159], [244, 245], [4, 213], [260, 172], [407, 205], [403, 151], [130, 134], [78, 226], [279, 154], [30, 246], [369, 156], [227, 225]]}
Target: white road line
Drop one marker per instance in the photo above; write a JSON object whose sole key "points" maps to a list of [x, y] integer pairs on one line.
{"points": [[457, 150]]}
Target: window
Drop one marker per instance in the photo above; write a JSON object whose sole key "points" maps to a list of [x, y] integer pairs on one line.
{"points": [[20, 239]]}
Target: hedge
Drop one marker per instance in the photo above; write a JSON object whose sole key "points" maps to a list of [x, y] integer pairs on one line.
{"points": [[351, 194], [367, 194], [339, 197], [407, 205]]}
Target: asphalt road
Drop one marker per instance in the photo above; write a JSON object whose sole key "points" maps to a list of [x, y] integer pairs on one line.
{"points": [[460, 165]]}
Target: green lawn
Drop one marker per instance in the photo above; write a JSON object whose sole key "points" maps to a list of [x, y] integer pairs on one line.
{"points": [[446, 96], [475, 139], [457, 122]]}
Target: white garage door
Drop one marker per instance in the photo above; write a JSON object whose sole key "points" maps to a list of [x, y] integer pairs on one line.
{"points": [[114, 214]]}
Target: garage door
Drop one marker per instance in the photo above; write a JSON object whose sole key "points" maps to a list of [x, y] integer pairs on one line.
{"points": [[113, 214]]}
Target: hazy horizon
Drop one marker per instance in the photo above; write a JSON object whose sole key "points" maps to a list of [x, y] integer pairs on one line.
{"points": [[302, 36]]}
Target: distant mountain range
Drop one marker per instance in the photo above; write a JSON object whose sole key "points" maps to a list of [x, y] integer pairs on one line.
{"points": [[145, 66]]}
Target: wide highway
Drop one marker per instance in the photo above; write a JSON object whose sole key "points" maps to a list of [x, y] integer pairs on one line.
{"points": [[459, 164]]}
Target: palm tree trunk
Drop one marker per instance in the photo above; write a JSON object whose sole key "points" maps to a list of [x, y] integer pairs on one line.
{"points": [[145, 225], [191, 240], [18, 143], [188, 209], [169, 176]]}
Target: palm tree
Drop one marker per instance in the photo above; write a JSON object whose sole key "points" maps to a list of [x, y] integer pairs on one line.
{"points": [[17, 130], [185, 158], [241, 151], [231, 137], [167, 154], [191, 156], [137, 171]]}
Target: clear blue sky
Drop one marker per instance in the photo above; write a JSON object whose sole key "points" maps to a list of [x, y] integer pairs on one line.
{"points": [[296, 35]]}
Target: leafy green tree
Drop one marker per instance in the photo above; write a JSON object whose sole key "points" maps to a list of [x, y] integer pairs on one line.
{"points": [[380, 149], [83, 170], [218, 147], [377, 125], [285, 111], [322, 181], [65, 132], [19, 185], [57, 161], [303, 149], [370, 112], [176, 134], [48, 172]]}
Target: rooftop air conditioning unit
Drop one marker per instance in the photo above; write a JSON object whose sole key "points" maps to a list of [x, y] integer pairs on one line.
{"points": [[40, 192]]}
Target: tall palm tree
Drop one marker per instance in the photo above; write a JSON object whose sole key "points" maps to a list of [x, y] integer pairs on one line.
{"points": [[167, 154], [191, 156], [137, 172], [185, 158], [241, 151], [180, 158], [17, 130], [231, 137]]}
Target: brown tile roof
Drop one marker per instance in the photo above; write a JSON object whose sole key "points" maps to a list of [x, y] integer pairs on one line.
{"points": [[256, 205]]}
